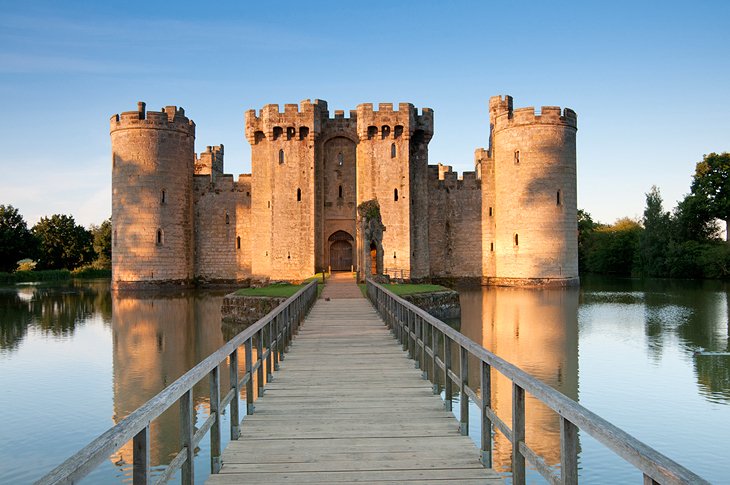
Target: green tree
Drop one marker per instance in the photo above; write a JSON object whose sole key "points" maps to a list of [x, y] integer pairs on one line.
{"points": [[586, 227], [63, 243], [692, 220], [655, 237], [102, 236], [711, 183], [16, 241], [613, 249]]}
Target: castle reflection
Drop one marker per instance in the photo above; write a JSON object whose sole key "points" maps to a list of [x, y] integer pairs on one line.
{"points": [[537, 330], [156, 339]]}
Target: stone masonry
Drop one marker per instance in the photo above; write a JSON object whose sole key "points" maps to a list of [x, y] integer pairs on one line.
{"points": [[178, 218]]}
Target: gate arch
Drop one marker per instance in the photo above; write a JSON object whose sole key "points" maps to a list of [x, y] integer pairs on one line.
{"points": [[340, 251]]}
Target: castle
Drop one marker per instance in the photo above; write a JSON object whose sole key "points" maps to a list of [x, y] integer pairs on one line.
{"points": [[177, 218]]}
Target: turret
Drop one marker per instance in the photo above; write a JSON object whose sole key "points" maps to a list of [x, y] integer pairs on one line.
{"points": [[152, 208], [534, 186]]}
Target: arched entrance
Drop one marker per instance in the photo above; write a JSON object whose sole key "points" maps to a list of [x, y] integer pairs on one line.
{"points": [[373, 258], [341, 251]]}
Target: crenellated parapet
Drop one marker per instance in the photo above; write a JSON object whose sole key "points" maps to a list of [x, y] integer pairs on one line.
{"points": [[442, 177], [169, 118], [502, 115], [296, 122], [387, 123], [210, 161]]}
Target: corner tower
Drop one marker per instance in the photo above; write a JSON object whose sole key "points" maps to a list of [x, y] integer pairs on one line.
{"points": [[153, 161], [534, 186]]}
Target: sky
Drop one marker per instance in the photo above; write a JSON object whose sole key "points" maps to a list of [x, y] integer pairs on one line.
{"points": [[650, 82]]}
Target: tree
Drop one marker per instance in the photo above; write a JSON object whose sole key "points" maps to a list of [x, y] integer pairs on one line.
{"points": [[692, 220], [586, 227], [711, 183], [655, 237], [102, 236], [16, 241], [613, 249], [63, 243]]}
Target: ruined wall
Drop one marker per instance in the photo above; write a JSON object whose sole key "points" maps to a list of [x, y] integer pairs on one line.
{"points": [[535, 193], [385, 154], [454, 223], [283, 189], [210, 161], [152, 207]]}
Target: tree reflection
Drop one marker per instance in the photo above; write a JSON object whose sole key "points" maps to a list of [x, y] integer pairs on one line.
{"points": [[55, 309]]}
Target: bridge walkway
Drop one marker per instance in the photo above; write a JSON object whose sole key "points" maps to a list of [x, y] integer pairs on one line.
{"points": [[349, 406]]}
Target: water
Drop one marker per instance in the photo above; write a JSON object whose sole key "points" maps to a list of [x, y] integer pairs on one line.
{"points": [[75, 359]]}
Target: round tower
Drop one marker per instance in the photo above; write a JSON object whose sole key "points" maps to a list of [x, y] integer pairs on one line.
{"points": [[153, 162], [535, 211]]}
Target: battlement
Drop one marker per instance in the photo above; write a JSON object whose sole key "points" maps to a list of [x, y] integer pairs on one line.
{"points": [[386, 122], [296, 122], [502, 115], [168, 118], [210, 161], [444, 177]]}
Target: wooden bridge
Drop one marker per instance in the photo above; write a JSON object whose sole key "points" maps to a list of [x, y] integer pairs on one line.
{"points": [[348, 406]]}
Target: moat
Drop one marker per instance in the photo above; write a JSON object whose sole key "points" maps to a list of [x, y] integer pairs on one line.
{"points": [[75, 358]]}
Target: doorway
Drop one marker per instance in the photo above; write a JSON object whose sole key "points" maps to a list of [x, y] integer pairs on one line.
{"points": [[341, 251]]}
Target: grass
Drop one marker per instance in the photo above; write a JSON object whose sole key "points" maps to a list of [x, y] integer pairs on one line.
{"points": [[281, 290], [33, 276], [402, 289]]}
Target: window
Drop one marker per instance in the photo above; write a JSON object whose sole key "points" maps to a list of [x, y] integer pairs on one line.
{"points": [[299, 195], [517, 239], [303, 133], [340, 159], [228, 219], [491, 246], [340, 192], [517, 157], [278, 131], [281, 156], [238, 242], [392, 150], [115, 237], [384, 132], [290, 131], [490, 212], [395, 195], [159, 237], [558, 198], [162, 197], [372, 132], [398, 131]]}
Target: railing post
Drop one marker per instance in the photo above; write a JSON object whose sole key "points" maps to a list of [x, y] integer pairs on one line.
{"points": [[270, 359], [448, 384], [215, 430], [187, 430], [141, 457], [260, 361], [424, 362], [416, 334], [249, 375], [235, 416], [649, 481], [463, 398], [277, 331], [568, 452], [411, 324], [434, 366], [518, 434], [486, 387]]}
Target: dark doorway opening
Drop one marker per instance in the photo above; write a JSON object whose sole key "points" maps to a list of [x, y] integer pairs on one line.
{"points": [[340, 251]]}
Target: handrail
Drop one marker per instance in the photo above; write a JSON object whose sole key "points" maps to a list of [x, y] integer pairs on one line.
{"points": [[276, 329], [407, 323]]}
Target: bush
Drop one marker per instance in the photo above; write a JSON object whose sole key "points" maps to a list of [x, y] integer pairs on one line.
{"points": [[34, 276], [91, 271]]}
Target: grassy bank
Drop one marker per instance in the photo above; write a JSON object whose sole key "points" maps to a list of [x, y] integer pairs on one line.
{"points": [[403, 289], [52, 275], [281, 290]]}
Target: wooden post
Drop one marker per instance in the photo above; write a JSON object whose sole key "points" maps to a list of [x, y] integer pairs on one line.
{"points": [[411, 324], [249, 373], [417, 356], [260, 361], [463, 398], [568, 452], [434, 367], [235, 416], [270, 359], [518, 434], [141, 457], [215, 430], [448, 384], [649, 481], [424, 362], [275, 350], [486, 387], [187, 430]]}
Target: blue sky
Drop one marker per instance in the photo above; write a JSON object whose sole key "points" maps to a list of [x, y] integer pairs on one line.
{"points": [[650, 82]]}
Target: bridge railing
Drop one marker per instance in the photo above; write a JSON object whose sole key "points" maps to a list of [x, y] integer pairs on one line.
{"points": [[275, 331], [421, 335]]}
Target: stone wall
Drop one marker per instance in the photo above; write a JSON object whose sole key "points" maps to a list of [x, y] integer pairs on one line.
{"points": [[246, 310], [441, 304], [454, 223]]}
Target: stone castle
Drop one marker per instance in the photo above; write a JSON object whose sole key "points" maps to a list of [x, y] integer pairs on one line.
{"points": [[177, 218]]}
